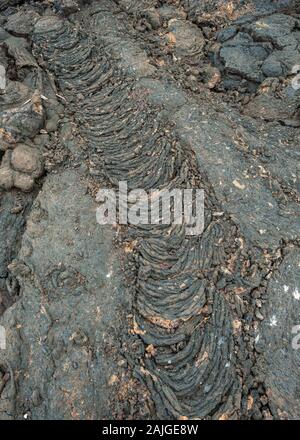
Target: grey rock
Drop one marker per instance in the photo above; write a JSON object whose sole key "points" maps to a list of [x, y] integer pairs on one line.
{"points": [[65, 295]]}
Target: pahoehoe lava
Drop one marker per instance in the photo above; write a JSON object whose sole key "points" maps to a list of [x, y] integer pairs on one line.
{"points": [[196, 339]]}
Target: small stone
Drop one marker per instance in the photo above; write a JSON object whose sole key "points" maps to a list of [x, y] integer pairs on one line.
{"points": [[24, 182], [256, 294], [6, 178], [79, 338], [122, 363], [272, 68], [259, 315], [16, 209], [36, 398], [42, 140], [226, 34], [238, 184], [27, 160], [258, 303], [23, 160], [51, 125]]}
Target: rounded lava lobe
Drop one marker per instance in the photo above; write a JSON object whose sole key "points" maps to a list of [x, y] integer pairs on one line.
{"points": [[26, 160], [24, 182], [20, 167]]}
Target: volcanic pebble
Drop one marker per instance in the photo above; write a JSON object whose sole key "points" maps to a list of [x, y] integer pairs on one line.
{"points": [[25, 159], [24, 182], [6, 178]]}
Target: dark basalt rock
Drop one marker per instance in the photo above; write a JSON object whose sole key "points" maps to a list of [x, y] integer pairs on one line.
{"points": [[187, 322], [189, 41], [21, 24], [5, 4], [243, 57], [226, 34], [267, 47], [20, 121], [270, 107]]}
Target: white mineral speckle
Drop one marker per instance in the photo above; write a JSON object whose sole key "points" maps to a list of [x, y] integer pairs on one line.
{"points": [[296, 294]]}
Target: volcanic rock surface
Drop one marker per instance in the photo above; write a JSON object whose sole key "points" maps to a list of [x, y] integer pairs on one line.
{"points": [[145, 321]]}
